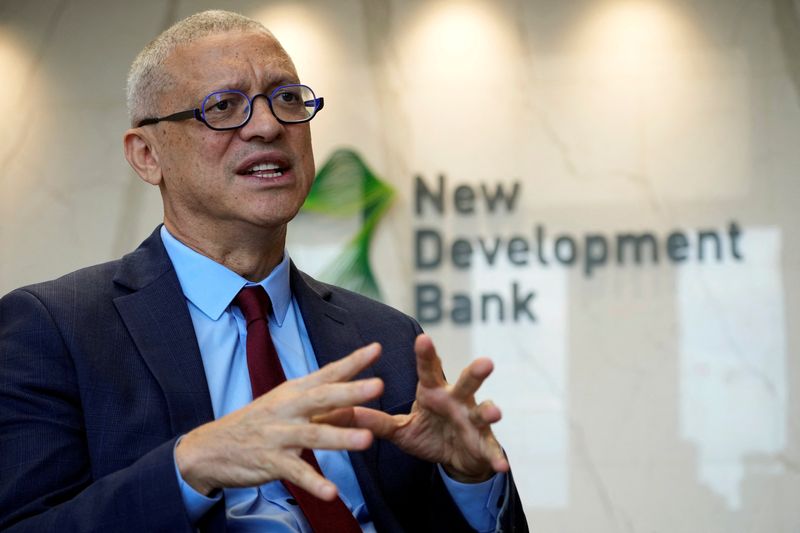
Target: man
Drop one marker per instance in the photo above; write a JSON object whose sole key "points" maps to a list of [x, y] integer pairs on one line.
{"points": [[138, 395]]}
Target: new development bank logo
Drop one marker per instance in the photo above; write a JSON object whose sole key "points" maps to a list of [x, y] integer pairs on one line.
{"points": [[346, 189], [349, 200]]}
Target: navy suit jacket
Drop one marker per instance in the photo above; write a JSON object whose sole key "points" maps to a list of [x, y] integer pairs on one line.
{"points": [[100, 372]]}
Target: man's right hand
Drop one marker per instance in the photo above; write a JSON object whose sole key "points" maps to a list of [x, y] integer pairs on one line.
{"points": [[262, 441]]}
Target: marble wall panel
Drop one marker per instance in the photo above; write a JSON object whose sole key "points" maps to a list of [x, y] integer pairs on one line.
{"points": [[659, 396]]}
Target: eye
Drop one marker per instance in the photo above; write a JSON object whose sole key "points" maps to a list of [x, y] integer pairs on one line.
{"points": [[219, 106], [225, 109], [224, 103], [288, 98]]}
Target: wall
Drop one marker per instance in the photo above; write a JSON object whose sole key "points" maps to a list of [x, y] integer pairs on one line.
{"points": [[649, 395]]}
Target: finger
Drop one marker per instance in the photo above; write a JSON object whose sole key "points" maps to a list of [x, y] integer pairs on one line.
{"points": [[494, 453], [472, 378], [497, 458], [500, 464], [429, 366], [341, 417], [302, 474], [328, 396], [345, 368], [484, 414], [382, 425], [324, 437]]}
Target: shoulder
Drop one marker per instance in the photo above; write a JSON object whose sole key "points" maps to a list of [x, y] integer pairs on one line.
{"points": [[64, 303], [75, 287], [87, 288]]}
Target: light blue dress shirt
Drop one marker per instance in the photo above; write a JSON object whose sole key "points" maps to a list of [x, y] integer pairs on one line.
{"points": [[221, 332]]}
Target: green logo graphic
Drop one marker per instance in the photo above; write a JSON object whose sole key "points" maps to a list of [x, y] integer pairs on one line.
{"points": [[346, 187]]}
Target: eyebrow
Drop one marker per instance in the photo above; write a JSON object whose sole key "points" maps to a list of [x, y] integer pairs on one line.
{"points": [[239, 83]]}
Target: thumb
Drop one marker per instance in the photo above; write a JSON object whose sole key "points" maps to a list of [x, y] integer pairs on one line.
{"points": [[381, 424], [341, 417]]}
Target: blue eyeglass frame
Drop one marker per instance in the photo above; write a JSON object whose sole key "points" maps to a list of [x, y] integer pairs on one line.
{"points": [[199, 113]]}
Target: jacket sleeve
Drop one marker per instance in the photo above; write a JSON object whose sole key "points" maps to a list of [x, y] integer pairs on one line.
{"points": [[45, 463]]}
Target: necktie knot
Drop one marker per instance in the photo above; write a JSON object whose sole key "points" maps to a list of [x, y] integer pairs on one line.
{"points": [[254, 303]]}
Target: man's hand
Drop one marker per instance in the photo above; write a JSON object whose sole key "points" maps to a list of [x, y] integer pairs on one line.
{"points": [[445, 424], [262, 441]]}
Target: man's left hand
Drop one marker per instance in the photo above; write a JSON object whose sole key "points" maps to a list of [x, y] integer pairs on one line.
{"points": [[446, 425]]}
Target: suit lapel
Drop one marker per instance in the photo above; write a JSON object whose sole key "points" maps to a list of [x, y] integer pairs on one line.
{"points": [[330, 328], [158, 320], [334, 335]]}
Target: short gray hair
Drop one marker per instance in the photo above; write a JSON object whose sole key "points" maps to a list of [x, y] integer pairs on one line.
{"points": [[147, 76]]}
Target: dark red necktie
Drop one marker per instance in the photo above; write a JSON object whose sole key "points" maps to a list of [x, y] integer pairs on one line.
{"points": [[265, 374]]}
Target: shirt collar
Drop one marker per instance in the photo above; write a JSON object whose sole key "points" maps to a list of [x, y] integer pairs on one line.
{"points": [[211, 286]]}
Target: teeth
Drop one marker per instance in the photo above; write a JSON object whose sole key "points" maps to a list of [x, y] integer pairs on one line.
{"points": [[262, 167], [269, 174]]}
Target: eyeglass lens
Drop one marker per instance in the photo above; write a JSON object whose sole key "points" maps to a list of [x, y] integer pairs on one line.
{"points": [[230, 109]]}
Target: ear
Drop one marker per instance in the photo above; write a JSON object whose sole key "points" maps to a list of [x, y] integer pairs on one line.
{"points": [[142, 156]]}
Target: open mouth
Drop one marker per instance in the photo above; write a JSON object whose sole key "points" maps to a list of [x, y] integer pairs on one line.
{"points": [[265, 170]]}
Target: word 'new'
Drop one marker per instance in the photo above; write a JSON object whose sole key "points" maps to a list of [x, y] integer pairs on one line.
{"points": [[465, 198]]}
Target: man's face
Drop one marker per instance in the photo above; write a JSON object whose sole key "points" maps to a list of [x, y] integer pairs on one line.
{"points": [[223, 178]]}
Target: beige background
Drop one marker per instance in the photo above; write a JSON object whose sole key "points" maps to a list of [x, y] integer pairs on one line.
{"points": [[649, 398]]}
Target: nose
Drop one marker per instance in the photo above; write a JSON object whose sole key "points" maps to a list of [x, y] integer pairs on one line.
{"points": [[262, 123]]}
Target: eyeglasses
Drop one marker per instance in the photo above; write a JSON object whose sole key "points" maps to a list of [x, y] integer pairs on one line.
{"points": [[230, 109]]}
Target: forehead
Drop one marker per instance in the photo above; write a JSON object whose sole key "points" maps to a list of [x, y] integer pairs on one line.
{"points": [[243, 60]]}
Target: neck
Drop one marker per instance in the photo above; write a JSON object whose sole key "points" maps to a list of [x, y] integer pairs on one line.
{"points": [[251, 253]]}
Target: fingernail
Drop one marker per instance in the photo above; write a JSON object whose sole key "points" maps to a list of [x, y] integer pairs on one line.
{"points": [[328, 491], [371, 386], [358, 438]]}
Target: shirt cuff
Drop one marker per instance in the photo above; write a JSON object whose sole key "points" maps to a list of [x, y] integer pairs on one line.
{"points": [[479, 503], [196, 504]]}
